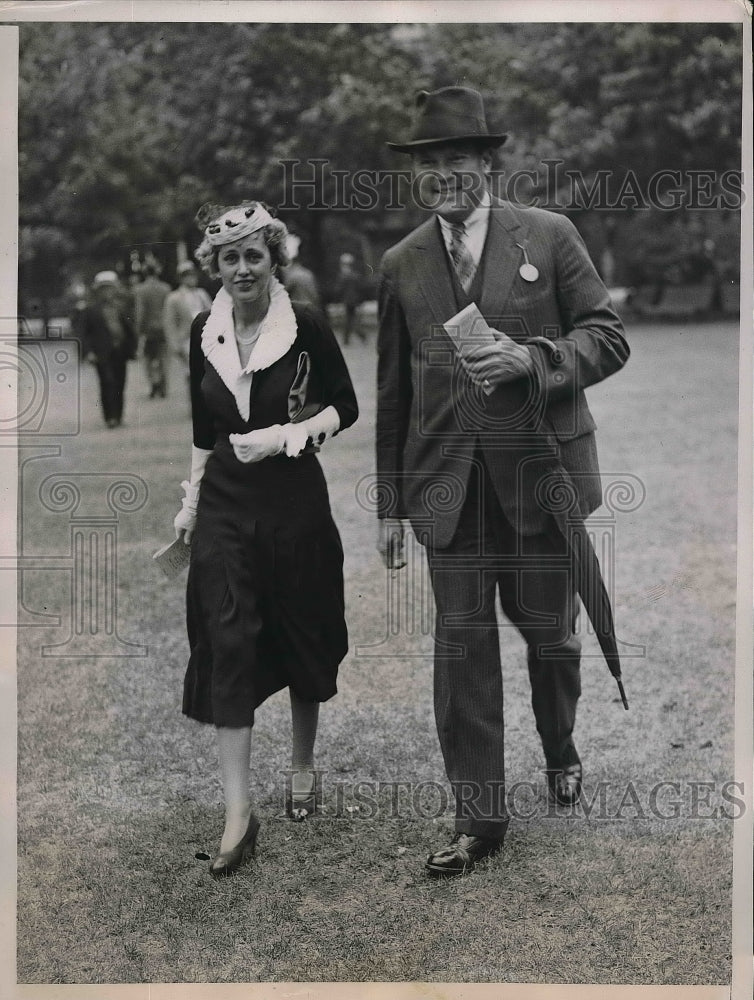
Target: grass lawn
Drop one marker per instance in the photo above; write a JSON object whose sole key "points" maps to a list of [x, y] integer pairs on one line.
{"points": [[118, 793]]}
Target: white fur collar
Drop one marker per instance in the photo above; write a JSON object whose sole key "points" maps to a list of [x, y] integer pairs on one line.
{"points": [[276, 335]]}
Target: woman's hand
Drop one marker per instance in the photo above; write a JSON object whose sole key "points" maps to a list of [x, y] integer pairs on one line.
{"points": [[185, 522], [185, 519], [258, 444], [296, 436]]}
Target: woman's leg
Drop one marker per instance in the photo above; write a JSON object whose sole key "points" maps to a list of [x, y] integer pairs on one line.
{"points": [[234, 748], [304, 719]]}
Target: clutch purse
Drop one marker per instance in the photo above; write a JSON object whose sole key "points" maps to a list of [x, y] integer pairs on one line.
{"points": [[305, 395]]}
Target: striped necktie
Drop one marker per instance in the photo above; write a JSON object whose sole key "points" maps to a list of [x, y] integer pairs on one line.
{"points": [[463, 262]]}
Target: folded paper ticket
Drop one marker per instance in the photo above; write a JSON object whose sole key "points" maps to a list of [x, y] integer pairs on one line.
{"points": [[173, 558], [469, 329]]}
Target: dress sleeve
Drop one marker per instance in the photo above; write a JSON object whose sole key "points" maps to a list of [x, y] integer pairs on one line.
{"points": [[203, 425], [318, 339]]}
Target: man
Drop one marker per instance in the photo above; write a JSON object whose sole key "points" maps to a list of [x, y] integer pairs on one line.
{"points": [[299, 281], [150, 298], [349, 292], [489, 451], [181, 307], [108, 342]]}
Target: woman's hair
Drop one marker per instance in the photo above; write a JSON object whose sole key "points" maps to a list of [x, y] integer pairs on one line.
{"points": [[275, 234]]}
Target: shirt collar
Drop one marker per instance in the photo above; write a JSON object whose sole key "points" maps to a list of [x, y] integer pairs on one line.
{"points": [[477, 218]]}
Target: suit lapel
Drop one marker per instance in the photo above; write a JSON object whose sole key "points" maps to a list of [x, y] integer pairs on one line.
{"points": [[430, 265], [502, 259]]}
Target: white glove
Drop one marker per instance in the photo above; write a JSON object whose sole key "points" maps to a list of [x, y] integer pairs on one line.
{"points": [[323, 425], [185, 519], [295, 436], [258, 444]]}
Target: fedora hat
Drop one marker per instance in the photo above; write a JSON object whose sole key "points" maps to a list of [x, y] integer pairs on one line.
{"points": [[451, 114]]}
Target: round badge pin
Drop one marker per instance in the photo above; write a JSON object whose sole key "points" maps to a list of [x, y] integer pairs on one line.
{"points": [[528, 272]]}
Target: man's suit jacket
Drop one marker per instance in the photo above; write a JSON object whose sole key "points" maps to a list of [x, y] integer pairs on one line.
{"points": [[431, 418], [181, 307], [97, 337], [150, 298]]}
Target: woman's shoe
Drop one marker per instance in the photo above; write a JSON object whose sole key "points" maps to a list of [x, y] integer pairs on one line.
{"points": [[300, 805], [229, 861]]}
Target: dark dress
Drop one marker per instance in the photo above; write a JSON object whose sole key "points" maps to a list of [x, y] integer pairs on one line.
{"points": [[265, 607]]}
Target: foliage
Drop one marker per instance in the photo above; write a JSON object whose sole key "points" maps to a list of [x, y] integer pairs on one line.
{"points": [[125, 128]]}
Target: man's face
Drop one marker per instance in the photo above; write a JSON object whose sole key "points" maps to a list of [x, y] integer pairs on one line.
{"points": [[451, 179]]}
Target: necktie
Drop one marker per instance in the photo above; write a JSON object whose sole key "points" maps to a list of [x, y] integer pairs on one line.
{"points": [[463, 262]]}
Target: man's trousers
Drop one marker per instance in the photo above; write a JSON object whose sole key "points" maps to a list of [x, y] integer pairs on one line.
{"points": [[533, 578]]}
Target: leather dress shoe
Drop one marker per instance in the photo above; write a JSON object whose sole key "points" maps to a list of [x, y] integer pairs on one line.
{"points": [[230, 861], [564, 785], [461, 855]]}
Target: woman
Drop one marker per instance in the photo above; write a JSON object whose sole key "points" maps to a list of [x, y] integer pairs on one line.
{"points": [[265, 587], [109, 343]]}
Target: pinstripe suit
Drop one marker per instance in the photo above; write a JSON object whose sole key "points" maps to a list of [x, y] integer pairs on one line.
{"points": [[476, 474]]}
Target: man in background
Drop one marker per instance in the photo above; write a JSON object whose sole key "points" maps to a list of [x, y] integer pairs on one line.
{"points": [[150, 298], [181, 307]]}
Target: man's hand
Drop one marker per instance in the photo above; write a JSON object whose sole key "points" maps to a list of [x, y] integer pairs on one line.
{"points": [[390, 542], [493, 364]]}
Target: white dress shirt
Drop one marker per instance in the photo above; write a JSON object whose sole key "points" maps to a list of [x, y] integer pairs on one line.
{"points": [[476, 229]]}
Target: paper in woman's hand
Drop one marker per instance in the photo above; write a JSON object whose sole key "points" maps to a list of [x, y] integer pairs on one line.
{"points": [[173, 558], [468, 329]]}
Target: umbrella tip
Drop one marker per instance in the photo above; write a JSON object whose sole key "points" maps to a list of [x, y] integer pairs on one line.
{"points": [[622, 693]]}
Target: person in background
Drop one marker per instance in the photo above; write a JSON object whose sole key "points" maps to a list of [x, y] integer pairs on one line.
{"points": [[349, 291], [265, 601], [108, 342], [150, 298], [298, 280], [182, 306]]}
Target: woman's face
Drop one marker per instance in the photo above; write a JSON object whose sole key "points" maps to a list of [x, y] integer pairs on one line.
{"points": [[245, 268]]}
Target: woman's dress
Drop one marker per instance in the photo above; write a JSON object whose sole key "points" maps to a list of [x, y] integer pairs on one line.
{"points": [[265, 606]]}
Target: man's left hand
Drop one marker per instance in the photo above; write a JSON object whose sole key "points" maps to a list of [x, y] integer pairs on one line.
{"points": [[493, 364]]}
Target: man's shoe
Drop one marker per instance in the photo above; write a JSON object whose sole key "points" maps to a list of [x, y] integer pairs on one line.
{"points": [[461, 855], [564, 785]]}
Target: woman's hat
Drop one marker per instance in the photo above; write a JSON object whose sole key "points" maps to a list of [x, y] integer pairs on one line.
{"points": [[451, 114]]}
